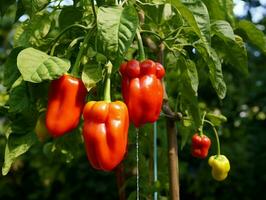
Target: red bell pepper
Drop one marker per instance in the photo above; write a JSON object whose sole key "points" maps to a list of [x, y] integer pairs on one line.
{"points": [[200, 145], [66, 100], [142, 90]]}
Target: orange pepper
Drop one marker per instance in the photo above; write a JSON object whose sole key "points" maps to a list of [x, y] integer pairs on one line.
{"points": [[105, 133]]}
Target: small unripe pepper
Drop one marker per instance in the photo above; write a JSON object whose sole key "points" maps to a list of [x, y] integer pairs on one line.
{"points": [[200, 145], [66, 100], [40, 129], [105, 133], [220, 167], [142, 90]]}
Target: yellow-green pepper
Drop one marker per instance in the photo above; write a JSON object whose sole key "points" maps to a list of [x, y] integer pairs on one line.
{"points": [[220, 167]]}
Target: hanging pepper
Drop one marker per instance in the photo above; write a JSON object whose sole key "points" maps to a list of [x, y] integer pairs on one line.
{"points": [[40, 129], [65, 104], [105, 129], [220, 167], [105, 133], [200, 145], [142, 90]]}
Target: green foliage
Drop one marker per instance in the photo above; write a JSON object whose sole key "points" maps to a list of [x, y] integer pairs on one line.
{"points": [[11, 72], [249, 30], [36, 66], [116, 30], [16, 146]]}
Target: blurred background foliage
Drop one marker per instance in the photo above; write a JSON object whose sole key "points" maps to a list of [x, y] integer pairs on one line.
{"points": [[48, 172]]}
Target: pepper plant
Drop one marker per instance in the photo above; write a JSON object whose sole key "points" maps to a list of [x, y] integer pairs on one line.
{"points": [[194, 40]]}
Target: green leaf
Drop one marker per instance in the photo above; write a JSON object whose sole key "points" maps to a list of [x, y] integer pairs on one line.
{"points": [[233, 52], [11, 72], [196, 15], [36, 66], [188, 89], [215, 69], [192, 75], [33, 6], [116, 30], [222, 29], [69, 15], [91, 74], [16, 146], [250, 32], [18, 98], [216, 119], [32, 32], [186, 133], [221, 10]]}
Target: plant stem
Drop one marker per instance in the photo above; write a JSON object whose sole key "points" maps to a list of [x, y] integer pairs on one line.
{"points": [[137, 160], [153, 33], [217, 137], [155, 170], [94, 10], [202, 124], [75, 69], [140, 45], [173, 167], [107, 95]]}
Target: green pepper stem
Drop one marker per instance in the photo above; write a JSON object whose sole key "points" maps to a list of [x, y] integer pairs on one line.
{"points": [[107, 95], [140, 45], [217, 137], [75, 69], [202, 123]]}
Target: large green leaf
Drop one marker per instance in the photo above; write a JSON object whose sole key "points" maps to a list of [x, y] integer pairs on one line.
{"points": [[190, 71], [16, 146], [11, 72], [249, 31], [188, 89], [215, 69], [36, 66], [232, 52], [116, 30], [196, 15], [91, 74]]}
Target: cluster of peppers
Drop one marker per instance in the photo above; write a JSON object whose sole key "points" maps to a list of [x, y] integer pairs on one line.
{"points": [[200, 147], [106, 123]]}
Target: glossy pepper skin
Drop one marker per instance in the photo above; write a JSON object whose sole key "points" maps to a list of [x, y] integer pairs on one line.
{"points": [[142, 90], [200, 146], [220, 167], [66, 100], [105, 133]]}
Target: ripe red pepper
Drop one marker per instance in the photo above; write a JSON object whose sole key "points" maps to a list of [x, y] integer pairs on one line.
{"points": [[66, 100], [105, 133], [142, 90], [200, 145]]}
